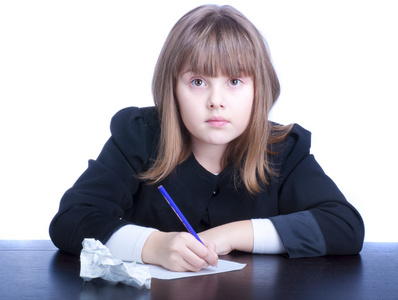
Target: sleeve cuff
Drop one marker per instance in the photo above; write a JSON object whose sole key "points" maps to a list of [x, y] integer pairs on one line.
{"points": [[127, 243], [266, 237]]}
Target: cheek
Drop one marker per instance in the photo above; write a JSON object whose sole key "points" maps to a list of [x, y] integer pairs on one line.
{"points": [[187, 113], [248, 105], [187, 105], [183, 98], [246, 112], [185, 117]]}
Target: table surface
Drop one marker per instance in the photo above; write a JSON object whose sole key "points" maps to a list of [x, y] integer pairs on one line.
{"points": [[37, 270]]}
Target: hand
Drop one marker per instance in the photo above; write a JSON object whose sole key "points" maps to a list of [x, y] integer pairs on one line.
{"points": [[232, 236], [178, 251], [221, 237]]}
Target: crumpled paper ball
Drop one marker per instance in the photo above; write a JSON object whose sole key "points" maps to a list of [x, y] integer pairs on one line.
{"points": [[96, 261]]}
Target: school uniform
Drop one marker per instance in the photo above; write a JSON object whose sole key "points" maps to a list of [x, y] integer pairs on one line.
{"points": [[311, 215]]}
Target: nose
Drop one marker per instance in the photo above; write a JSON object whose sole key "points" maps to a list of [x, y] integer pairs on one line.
{"points": [[216, 99]]}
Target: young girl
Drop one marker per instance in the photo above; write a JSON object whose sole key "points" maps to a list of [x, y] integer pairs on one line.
{"points": [[243, 182]]}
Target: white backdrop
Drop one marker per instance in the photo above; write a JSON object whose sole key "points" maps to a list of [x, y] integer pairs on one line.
{"points": [[67, 66]]}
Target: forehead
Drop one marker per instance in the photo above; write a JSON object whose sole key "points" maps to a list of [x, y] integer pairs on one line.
{"points": [[216, 63], [221, 48]]}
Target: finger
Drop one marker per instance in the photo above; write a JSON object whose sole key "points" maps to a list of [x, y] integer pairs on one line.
{"points": [[182, 261], [194, 260], [213, 256], [183, 265], [203, 255]]}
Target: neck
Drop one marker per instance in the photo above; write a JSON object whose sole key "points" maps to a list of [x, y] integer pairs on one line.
{"points": [[210, 157]]}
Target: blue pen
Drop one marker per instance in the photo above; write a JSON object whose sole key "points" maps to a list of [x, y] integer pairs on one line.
{"points": [[178, 213]]}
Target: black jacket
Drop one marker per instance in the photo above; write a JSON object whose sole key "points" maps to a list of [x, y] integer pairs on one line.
{"points": [[309, 212]]}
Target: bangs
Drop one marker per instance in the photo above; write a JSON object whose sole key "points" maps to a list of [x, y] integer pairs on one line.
{"points": [[218, 46]]}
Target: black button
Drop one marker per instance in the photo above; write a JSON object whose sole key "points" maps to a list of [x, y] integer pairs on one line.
{"points": [[216, 190]]}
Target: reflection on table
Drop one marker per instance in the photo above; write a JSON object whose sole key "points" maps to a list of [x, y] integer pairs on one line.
{"points": [[37, 270]]}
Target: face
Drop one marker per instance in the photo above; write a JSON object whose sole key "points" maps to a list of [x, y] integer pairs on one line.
{"points": [[215, 110]]}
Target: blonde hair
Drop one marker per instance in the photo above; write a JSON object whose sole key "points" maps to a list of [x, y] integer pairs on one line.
{"points": [[213, 40]]}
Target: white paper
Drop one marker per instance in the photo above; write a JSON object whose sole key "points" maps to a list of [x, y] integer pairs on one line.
{"points": [[223, 266], [96, 261]]}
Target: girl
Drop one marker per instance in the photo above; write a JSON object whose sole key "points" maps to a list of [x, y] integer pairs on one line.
{"points": [[243, 182]]}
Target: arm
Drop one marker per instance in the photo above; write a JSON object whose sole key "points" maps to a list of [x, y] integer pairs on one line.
{"points": [[96, 205], [127, 242], [256, 235], [231, 236], [314, 216]]}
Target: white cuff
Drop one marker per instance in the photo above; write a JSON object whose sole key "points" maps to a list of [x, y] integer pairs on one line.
{"points": [[266, 237], [128, 241]]}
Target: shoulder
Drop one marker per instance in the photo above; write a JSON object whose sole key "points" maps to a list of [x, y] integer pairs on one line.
{"points": [[293, 149], [135, 120], [135, 126], [298, 139], [135, 116]]}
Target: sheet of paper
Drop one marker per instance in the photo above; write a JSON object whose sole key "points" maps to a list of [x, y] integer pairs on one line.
{"points": [[223, 266]]}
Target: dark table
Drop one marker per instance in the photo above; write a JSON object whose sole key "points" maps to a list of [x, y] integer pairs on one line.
{"points": [[37, 270]]}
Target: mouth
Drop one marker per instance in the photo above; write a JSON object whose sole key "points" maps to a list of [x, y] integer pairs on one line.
{"points": [[217, 122]]}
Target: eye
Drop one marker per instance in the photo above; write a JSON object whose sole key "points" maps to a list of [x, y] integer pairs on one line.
{"points": [[234, 81], [198, 82]]}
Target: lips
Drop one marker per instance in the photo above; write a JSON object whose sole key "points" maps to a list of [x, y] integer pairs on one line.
{"points": [[217, 122]]}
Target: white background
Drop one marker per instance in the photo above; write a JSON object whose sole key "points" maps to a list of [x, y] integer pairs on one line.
{"points": [[67, 66]]}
